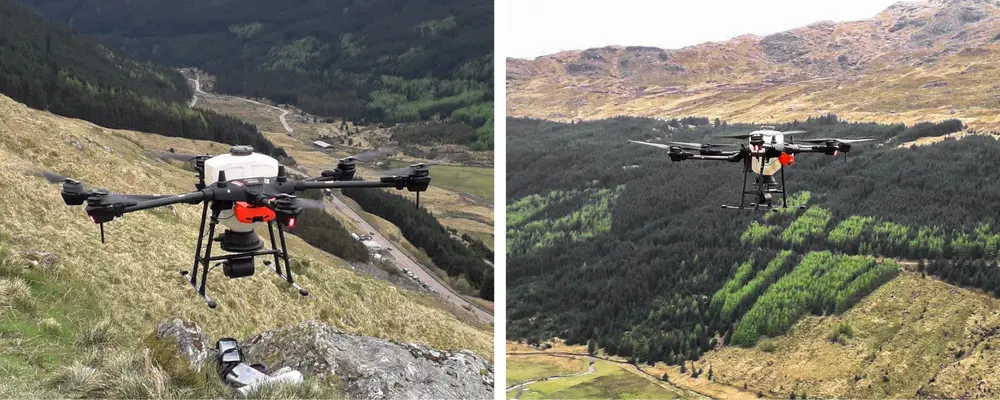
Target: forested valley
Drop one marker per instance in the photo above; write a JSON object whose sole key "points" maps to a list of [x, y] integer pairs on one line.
{"points": [[611, 242], [383, 61], [47, 67], [459, 260]]}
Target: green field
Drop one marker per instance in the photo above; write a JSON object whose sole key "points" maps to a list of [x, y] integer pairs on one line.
{"points": [[608, 382], [525, 368], [477, 181]]}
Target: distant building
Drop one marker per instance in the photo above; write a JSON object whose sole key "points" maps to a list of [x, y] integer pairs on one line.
{"points": [[321, 144]]}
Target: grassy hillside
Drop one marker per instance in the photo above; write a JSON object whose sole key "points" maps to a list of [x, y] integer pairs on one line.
{"points": [[912, 337], [384, 61], [133, 280]]}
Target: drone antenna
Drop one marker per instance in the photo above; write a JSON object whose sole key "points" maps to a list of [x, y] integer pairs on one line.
{"points": [[102, 233], [418, 200]]}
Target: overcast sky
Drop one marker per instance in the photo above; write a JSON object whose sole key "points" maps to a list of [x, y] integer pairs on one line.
{"points": [[540, 27]]}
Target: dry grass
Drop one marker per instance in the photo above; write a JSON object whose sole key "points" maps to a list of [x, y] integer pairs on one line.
{"points": [[13, 290], [904, 334], [135, 275]]}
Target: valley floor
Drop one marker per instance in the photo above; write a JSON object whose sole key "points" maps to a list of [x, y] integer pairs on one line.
{"points": [[570, 372]]}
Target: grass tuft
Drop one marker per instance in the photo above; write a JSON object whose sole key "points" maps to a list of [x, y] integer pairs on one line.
{"points": [[13, 291], [99, 334], [78, 380]]}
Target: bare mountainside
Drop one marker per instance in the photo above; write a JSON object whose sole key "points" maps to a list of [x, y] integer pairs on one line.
{"points": [[912, 62]]}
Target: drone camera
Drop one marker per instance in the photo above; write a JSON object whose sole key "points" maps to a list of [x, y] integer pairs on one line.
{"points": [[238, 267]]}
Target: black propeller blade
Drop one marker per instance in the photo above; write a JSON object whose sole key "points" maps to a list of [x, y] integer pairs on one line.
{"points": [[78, 187], [173, 155], [407, 171], [309, 203], [373, 154], [703, 146], [747, 135], [839, 140]]}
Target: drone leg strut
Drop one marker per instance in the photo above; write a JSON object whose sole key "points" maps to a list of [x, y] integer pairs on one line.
{"points": [[203, 261], [283, 257], [197, 253], [743, 190], [208, 251], [784, 200], [277, 261]]}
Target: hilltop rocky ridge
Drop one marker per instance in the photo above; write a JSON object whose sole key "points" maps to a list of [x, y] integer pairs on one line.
{"points": [[914, 61]]}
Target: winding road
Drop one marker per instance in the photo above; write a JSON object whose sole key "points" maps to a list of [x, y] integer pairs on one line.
{"points": [[197, 89]]}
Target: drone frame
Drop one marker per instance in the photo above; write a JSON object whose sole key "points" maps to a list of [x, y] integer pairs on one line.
{"points": [[273, 193], [764, 186]]}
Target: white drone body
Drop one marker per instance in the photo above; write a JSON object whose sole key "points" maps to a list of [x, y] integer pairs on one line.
{"points": [[240, 163], [773, 165]]}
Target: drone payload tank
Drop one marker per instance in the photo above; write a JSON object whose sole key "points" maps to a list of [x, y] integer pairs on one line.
{"points": [[241, 163]]}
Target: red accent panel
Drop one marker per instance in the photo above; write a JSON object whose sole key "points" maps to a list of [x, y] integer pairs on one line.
{"points": [[249, 214], [786, 159]]}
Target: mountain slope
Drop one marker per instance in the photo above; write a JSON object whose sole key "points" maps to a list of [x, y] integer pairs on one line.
{"points": [[912, 337], [383, 61], [913, 62], [612, 243], [133, 280], [48, 67]]}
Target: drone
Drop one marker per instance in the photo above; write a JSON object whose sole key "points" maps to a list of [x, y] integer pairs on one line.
{"points": [[244, 191], [767, 154]]}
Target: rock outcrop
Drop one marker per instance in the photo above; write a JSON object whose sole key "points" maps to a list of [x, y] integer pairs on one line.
{"points": [[365, 367], [373, 368], [192, 343]]}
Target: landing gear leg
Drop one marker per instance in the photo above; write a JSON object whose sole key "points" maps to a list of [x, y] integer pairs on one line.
{"points": [[199, 260]]}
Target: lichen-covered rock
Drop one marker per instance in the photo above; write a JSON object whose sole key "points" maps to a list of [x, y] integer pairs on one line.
{"points": [[192, 343], [373, 368]]}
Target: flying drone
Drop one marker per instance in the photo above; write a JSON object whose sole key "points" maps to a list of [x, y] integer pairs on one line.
{"points": [[767, 154], [244, 190]]}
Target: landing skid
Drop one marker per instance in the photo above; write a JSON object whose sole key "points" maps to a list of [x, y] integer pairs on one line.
{"points": [[755, 207], [760, 192], [204, 261]]}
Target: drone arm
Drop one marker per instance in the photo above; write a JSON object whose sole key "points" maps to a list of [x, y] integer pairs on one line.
{"points": [[311, 184], [192, 198], [712, 158], [735, 156]]}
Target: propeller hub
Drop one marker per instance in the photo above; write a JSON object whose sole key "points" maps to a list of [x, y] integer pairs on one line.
{"points": [[241, 150]]}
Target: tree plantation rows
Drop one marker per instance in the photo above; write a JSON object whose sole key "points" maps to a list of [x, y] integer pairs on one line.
{"points": [[657, 284], [48, 68], [382, 61], [822, 283], [538, 221], [421, 229]]}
